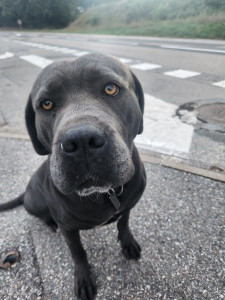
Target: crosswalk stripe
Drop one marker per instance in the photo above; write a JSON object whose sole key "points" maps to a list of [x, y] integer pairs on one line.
{"points": [[163, 131], [37, 60], [182, 73], [145, 66], [125, 60], [6, 55], [67, 50], [80, 53], [220, 84]]}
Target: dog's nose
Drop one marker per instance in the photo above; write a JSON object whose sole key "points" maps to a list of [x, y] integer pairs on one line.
{"points": [[87, 139]]}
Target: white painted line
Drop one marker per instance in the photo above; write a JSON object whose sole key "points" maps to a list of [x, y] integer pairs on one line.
{"points": [[80, 53], [55, 48], [40, 45], [192, 49], [182, 73], [67, 50], [145, 66], [125, 60], [6, 55], [118, 42], [31, 44], [46, 47], [163, 131], [37, 60], [220, 84]]}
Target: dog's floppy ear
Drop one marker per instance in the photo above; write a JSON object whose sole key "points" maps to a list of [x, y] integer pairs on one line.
{"points": [[30, 122], [140, 95]]}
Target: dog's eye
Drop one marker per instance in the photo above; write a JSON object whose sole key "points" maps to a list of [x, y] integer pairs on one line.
{"points": [[47, 104], [111, 89]]}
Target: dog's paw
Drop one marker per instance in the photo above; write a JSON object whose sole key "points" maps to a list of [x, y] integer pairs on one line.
{"points": [[131, 249], [85, 287]]}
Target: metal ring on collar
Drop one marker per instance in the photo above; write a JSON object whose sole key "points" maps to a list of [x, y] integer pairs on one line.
{"points": [[121, 191]]}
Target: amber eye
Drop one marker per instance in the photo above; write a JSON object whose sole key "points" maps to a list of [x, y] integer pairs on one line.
{"points": [[47, 104], [111, 89]]}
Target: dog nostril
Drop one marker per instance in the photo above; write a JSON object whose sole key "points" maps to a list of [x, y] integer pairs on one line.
{"points": [[69, 147], [96, 142]]}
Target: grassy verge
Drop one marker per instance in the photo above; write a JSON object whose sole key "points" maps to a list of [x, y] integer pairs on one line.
{"points": [[211, 27], [161, 29], [164, 18]]}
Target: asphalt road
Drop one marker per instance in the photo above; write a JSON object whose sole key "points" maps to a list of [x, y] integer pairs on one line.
{"points": [[179, 221], [157, 51]]}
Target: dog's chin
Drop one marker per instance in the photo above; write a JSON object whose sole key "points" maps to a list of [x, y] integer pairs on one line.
{"points": [[88, 191]]}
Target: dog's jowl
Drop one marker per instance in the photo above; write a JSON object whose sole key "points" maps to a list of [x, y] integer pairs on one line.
{"points": [[84, 115]]}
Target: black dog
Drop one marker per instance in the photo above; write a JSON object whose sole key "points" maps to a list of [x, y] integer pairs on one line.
{"points": [[84, 114]]}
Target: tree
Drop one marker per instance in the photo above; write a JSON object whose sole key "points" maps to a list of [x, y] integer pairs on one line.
{"points": [[215, 4], [38, 13], [88, 3]]}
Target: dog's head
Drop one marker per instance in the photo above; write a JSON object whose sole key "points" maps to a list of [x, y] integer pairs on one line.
{"points": [[86, 113]]}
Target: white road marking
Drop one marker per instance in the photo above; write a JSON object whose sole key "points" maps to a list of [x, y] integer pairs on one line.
{"points": [[80, 53], [163, 131], [37, 60], [54, 48], [220, 84], [192, 49], [125, 60], [182, 73], [145, 66], [46, 47], [6, 55], [67, 50]]}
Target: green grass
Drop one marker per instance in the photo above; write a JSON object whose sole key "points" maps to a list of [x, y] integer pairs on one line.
{"points": [[177, 28], [163, 18]]}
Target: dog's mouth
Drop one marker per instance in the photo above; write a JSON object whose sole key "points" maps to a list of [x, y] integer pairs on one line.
{"points": [[92, 186]]}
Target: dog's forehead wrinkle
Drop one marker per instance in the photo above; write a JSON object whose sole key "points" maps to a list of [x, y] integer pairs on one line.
{"points": [[71, 116], [97, 63]]}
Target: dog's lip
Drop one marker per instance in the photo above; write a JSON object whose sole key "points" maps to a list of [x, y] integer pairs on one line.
{"points": [[91, 185], [90, 182]]}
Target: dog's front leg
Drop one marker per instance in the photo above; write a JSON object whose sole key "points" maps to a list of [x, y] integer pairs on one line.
{"points": [[130, 246], [84, 286]]}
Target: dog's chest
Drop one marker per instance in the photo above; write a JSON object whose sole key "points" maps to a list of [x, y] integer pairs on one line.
{"points": [[87, 213]]}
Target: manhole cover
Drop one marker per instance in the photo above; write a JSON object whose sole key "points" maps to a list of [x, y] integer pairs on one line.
{"points": [[212, 113]]}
